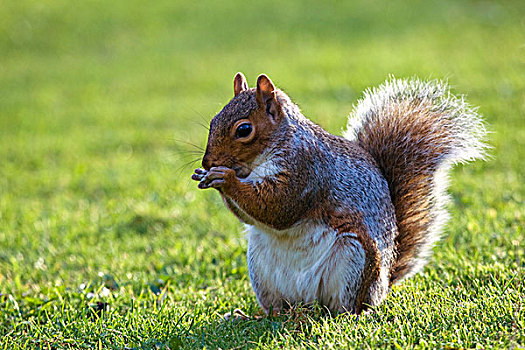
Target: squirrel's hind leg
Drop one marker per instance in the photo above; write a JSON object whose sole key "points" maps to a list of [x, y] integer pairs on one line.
{"points": [[342, 280]]}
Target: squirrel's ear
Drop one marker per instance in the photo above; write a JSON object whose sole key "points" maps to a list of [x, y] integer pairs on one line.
{"points": [[239, 83], [265, 89], [266, 96]]}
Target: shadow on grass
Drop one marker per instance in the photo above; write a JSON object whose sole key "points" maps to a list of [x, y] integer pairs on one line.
{"points": [[260, 330], [142, 225], [236, 333]]}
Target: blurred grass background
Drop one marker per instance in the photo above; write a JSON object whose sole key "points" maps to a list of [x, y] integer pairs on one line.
{"points": [[99, 100]]}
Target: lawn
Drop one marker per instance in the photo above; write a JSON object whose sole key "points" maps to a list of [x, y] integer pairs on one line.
{"points": [[106, 243]]}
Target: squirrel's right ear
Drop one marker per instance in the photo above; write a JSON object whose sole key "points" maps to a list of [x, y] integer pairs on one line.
{"points": [[239, 83], [265, 96]]}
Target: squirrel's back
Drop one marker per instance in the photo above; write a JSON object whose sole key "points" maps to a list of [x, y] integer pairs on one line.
{"points": [[416, 131]]}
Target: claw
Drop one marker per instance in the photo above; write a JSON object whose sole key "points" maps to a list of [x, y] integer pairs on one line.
{"points": [[199, 174], [203, 185], [197, 177]]}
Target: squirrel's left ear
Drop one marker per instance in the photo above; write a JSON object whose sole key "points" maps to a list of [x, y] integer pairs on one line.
{"points": [[266, 96], [239, 83]]}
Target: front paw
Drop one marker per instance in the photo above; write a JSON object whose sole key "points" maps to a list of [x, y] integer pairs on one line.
{"points": [[218, 177]]}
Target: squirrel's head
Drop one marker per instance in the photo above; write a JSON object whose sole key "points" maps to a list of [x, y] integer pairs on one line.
{"points": [[244, 127]]}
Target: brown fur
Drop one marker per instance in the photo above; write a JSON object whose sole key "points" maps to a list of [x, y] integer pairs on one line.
{"points": [[223, 149], [265, 202], [268, 201]]}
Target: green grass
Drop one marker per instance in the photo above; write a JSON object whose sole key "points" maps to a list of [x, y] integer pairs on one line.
{"points": [[106, 243]]}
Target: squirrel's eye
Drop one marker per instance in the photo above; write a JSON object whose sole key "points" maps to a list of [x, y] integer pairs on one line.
{"points": [[243, 130]]}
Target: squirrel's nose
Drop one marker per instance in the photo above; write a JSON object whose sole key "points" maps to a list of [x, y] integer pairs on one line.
{"points": [[207, 163]]}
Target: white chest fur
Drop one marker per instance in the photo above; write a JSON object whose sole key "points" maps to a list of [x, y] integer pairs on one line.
{"points": [[306, 264]]}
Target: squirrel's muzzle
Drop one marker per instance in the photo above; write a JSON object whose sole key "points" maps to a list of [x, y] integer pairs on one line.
{"points": [[206, 161]]}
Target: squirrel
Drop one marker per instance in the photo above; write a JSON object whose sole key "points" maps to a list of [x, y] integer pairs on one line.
{"points": [[338, 220]]}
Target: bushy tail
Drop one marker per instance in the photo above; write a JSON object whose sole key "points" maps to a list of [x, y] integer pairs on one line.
{"points": [[416, 130]]}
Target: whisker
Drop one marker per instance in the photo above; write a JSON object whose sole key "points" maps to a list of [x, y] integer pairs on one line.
{"points": [[188, 151], [190, 144], [186, 165], [203, 118], [201, 124]]}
